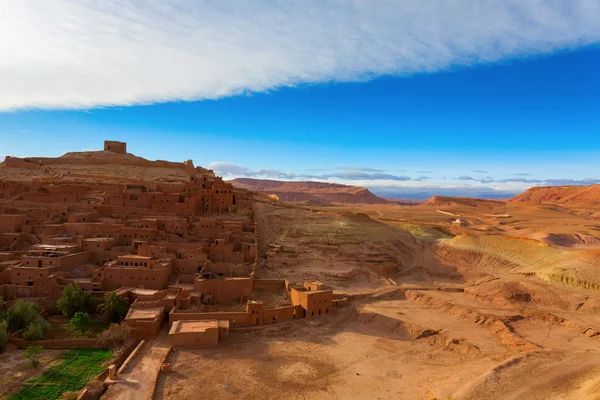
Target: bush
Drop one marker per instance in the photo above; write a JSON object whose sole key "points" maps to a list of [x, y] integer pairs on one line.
{"points": [[80, 322], [73, 300], [21, 315], [2, 313], [34, 355], [114, 337], [3, 335], [114, 307], [36, 330]]}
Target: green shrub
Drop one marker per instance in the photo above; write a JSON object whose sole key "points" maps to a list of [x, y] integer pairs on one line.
{"points": [[34, 331], [80, 322], [3, 335], [21, 315], [34, 355], [73, 300]]}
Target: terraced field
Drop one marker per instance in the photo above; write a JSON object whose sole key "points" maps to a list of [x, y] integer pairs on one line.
{"points": [[74, 370]]}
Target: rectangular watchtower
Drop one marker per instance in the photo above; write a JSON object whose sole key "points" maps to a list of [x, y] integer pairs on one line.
{"points": [[115, 147]]}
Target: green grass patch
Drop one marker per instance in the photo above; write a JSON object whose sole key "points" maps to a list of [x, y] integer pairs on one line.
{"points": [[74, 370]]}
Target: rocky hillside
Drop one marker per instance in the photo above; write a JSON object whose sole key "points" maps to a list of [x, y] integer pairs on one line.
{"points": [[565, 195], [316, 193], [443, 201]]}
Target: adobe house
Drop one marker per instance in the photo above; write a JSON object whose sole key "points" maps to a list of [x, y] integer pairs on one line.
{"points": [[314, 298], [115, 147], [198, 333], [12, 223], [144, 322]]}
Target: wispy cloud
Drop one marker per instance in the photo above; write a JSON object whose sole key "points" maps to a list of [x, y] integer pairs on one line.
{"points": [[364, 176], [567, 182], [480, 171], [521, 180], [362, 169], [228, 169], [85, 53], [465, 178]]}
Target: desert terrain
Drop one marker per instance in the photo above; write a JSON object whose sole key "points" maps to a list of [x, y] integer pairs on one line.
{"points": [[505, 306], [455, 298]]}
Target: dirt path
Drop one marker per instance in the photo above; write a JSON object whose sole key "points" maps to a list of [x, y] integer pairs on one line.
{"points": [[136, 382]]}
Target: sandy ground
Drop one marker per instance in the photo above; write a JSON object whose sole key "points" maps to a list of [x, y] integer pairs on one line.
{"points": [[388, 348], [15, 370], [497, 312]]}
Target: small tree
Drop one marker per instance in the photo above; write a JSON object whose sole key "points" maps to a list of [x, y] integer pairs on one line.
{"points": [[114, 337], [114, 307], [74, 299], [80, 322], [3, 335], [34, 355], [21, 315], [2, 312], [34, 332]]}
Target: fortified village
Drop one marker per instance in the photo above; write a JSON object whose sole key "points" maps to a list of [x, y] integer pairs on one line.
{"points": [[175, 240]]}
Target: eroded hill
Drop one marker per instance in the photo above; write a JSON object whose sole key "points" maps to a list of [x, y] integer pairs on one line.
{"points": [[314, 193]]}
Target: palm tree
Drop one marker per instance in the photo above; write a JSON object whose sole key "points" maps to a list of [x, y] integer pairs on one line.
{"points": [[114, 307]]}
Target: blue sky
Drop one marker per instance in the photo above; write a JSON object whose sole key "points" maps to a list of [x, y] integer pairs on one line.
{"points": [[490, 119]]}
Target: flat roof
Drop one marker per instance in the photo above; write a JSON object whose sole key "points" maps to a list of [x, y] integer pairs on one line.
{"points": [[135, 256], [144, 313], [193, 326], [143, 291]]}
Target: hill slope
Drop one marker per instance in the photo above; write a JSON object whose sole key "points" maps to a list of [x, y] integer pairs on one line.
{"points": [[441, 201], [566, 195], [320, 193]]}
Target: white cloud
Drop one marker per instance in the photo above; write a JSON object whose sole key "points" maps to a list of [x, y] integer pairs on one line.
{"points": [[87, 53], [231, 170]]}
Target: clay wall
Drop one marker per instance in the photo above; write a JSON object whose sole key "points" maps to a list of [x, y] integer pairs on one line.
{"points": [[98, 246], [152, 251], [91, 229], [55, 343], [226, 290], [145, 329], [12, 292], [223, 252], [83, 217], [228, 269], [280, 314], [269, 284], [115, 278], [138, 233], [142, 223], [143, 200], [187, 266], [208, 228], [234, 318], [12, 223], [6, 239], [207, 338]]}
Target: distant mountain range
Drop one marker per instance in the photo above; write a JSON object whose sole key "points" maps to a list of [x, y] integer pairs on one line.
{"points": [[564, 195], [313, 193]]}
